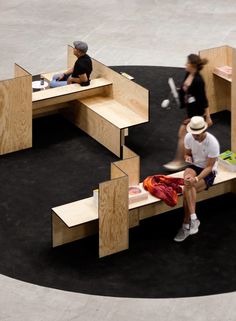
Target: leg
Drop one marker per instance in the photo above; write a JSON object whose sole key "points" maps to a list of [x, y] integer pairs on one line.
{"points": [[191, 190], [179, 156], [178, 162], [190, 226], [55, 83]]}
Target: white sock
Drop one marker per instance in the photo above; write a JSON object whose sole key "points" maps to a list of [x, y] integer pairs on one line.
{"points": [[193, 216], [186, 226]]}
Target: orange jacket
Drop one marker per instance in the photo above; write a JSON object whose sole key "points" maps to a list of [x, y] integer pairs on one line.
{"points": [[164, 187]]}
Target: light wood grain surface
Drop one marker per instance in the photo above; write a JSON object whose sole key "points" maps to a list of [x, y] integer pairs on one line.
{"points": [[113, 216], [126, 92], [119, 115], [16, 112], [233, 103], [218, 90], [95, 126], [68, 89], [131, 167], [62, 234], [78, 212]]}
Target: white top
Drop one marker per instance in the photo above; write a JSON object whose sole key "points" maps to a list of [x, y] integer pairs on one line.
{"points": [[201, 151]]}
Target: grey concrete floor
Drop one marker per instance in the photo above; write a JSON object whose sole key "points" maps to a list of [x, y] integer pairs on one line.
{"points": [[35, 34]]}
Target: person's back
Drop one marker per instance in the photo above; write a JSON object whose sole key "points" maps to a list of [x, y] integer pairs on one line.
{"points": [[83, 65]]}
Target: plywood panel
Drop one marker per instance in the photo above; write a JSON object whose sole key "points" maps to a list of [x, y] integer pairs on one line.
{"points": [[127, 152], [62, 234], [97, 127], [49, 110], [43, 104], [112, 110], [160, 207], [131, 167], [133, 218], [217, 89], [16, 113], [113, 216], [126, 92], [69, 89], [20, 72], [78, 212], [233, 186], [233, 103]]}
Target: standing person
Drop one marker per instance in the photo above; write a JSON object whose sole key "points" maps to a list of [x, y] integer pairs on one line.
{"points": [[201, 151], [193, 98], [81, 71]]}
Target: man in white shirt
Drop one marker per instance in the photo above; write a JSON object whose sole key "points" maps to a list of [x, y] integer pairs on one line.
{"points": [[201, 152]]}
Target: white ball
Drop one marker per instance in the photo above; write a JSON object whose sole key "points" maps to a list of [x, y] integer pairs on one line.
{"points": [[165, 103]]}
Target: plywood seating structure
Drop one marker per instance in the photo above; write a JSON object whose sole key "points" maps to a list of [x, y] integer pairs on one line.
{"points": [[221, 91], [16, 112], [114, 216], [104, 110]]}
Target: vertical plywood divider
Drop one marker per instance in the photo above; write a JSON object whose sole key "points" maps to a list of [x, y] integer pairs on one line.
{"points": [[233, 102], [16, 112], [218, 90], [130, 166], [113, 215], [124, 91], [127, 152]]}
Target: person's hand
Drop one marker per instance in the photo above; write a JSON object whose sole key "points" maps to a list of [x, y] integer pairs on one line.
{"points": [[61, 76], [188, 159], [189, 180]]}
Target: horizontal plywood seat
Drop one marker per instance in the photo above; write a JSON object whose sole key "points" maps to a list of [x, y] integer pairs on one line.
{"points": [[113, 111], [76, 213], [68, 90], [84, 211], [223, 176]]}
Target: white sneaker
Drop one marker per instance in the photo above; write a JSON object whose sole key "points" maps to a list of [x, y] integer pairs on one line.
{"points": [[182, 234], [194, 225]]}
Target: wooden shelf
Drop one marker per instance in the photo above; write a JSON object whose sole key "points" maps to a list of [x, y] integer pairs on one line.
{"points": [[113, 111]]}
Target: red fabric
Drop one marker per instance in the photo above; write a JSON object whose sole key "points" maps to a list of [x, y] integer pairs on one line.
{"points": [[164, 187]]}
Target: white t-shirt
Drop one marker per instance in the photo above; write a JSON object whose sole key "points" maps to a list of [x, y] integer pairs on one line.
{"points": [[201, 151]]}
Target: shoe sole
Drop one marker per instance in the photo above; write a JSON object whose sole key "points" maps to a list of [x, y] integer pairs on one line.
{"points": [[174, 168], [176, 240]]}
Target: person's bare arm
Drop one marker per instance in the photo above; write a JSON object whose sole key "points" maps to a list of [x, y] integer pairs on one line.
{"points": [[208, 169], [188, 156], [79, 80], [69, 71], [66, 73], [208, 117]]}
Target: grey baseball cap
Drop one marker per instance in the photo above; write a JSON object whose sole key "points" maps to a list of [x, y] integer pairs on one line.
{"points": [[80, 45]]}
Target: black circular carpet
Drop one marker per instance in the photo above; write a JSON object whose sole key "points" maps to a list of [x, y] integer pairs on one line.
{"points": [[66, 165]]}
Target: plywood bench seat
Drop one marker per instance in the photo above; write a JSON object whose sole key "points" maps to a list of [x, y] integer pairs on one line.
{"points": [[116, 113], [79, 219], [52, 96], [222, 177]]}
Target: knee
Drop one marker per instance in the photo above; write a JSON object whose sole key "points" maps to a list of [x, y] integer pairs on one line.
{"points": [[52, 83]]}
